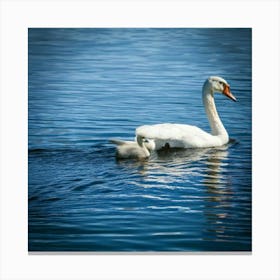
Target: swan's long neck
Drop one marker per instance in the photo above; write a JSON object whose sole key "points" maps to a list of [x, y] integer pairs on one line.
{"points": [[217, 127]]}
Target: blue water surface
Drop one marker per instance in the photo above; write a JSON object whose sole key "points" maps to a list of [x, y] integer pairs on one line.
{"points": [[86, 86]]}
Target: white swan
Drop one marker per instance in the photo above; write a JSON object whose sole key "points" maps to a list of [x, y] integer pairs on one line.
{"points": [[141, 148], [187, 136]]}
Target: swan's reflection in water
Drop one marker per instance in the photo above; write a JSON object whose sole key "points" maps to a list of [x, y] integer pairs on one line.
{"points": [[217, 203], [179, 165], [193, 181]]}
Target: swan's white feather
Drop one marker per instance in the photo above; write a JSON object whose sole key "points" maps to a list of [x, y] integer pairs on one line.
{"points": [[178, 136]]}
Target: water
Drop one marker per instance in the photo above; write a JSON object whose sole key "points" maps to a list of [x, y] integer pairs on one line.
{"points": [[89, 85]]}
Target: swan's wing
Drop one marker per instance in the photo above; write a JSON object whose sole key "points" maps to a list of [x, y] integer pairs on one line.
{"points": [[175, 135], [167, 131]]}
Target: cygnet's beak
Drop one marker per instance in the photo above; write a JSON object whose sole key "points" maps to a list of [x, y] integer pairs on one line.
{"points": [[227, 93]]}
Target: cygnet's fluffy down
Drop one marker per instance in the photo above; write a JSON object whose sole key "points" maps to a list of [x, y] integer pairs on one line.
{"points": [[133, 149]]}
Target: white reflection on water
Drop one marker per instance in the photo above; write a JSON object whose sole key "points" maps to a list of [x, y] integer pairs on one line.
{"points": [[179, 165], [176, 170]]}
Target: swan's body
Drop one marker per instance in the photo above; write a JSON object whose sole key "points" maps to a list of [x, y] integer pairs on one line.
{"points": [[187, 136], [139, 149], [180, 136]]}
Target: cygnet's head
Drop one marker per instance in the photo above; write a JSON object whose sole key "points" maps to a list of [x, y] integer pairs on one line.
{"points": [[220, 85], [149, 143]]}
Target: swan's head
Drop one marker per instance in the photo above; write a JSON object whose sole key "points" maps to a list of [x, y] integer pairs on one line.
{"points": [[218, 84]]}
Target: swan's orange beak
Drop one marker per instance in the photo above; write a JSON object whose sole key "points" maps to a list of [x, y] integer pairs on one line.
{"points": [[227, 93]]}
